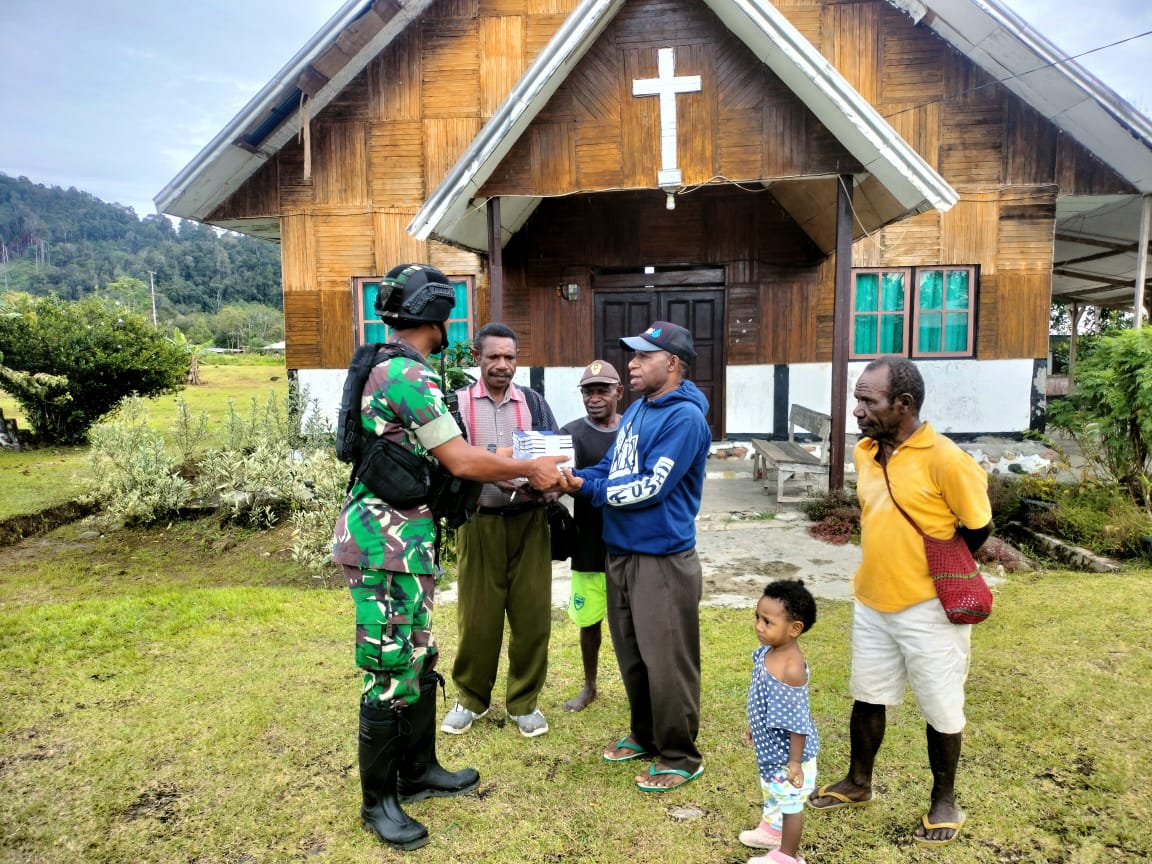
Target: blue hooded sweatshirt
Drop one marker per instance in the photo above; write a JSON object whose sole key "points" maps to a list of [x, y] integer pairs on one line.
{"points": [[650, 482]]}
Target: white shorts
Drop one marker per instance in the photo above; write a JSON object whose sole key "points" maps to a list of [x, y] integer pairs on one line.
{"points": [[917, 646]]}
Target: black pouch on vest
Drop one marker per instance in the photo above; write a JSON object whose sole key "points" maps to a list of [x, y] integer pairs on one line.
{"points": [[393, 474]]}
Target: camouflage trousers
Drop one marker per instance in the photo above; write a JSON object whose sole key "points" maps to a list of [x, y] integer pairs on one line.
{"points": [[394, 643]]}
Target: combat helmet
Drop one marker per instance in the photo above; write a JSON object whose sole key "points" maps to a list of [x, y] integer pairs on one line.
{"points": [[411, 294]]}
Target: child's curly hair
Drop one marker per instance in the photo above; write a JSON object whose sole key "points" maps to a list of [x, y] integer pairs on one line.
{"points": [[798, 602]]}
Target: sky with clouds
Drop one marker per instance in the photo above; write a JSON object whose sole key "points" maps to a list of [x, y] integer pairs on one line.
{"points": [[116, 96]]}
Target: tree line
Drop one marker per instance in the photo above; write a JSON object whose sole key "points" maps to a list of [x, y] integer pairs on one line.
{"points": [[215, 286]]}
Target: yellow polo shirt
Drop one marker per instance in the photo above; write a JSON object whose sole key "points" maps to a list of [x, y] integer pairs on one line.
{"points": [[938, 485]]}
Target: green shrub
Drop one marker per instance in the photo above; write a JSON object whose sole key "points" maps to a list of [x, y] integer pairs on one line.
{"points": [[1109, 411], [135, 477], [1004, 494], [70, 363], [266, 470], [1098, 517]]}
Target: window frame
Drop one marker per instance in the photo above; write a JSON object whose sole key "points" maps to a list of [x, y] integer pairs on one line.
{"points": [[911, 340], [907, 312], [360, 322]]}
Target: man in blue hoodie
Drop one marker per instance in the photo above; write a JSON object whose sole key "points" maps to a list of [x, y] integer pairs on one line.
{"points": [[649, 486]]}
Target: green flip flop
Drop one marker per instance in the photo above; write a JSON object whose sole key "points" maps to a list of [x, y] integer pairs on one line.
{"points": [[653, 771], [627, 743]]}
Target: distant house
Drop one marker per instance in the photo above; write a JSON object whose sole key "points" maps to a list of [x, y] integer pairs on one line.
{"points": [[806, 184]]}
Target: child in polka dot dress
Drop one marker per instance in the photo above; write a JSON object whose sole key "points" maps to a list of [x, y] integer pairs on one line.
{"points": [[780, 723]]}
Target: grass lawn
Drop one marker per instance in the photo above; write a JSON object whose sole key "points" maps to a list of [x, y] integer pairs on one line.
{"points": [[185, 695], [35, 479], [221, 380]]}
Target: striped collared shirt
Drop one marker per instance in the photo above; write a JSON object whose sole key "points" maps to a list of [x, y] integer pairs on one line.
{"points": [[489, 424]]}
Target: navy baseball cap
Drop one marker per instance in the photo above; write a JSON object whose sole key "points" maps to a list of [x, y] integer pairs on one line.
{"points": [[663, 336]]}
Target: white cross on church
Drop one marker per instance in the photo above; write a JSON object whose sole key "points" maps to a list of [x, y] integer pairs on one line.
{"points": [[666, 86]]}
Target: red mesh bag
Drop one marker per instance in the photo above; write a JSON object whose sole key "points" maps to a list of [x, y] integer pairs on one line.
{"points": [[959, 585], [961, 588]]}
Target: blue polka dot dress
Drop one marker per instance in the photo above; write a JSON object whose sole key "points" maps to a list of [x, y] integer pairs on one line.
{"points": [[775, 710]]}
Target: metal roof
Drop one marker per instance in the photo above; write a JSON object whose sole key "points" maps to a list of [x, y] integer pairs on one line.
{"points": [[358, 31]]}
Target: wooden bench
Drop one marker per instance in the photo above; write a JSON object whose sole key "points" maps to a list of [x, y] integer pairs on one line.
{"points": [[788, 459]]}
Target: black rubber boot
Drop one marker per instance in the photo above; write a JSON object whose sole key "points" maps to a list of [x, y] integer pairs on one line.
{"points": [[381, 746], [421, 775]]}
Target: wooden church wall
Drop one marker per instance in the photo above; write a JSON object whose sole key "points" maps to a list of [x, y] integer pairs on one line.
{"points": [[593, 134], [1005, 160], [772, 271], [389, 138], [377, 150]]}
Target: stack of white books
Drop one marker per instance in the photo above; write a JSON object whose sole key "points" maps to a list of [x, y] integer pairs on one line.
{"points": [[529, 445]]}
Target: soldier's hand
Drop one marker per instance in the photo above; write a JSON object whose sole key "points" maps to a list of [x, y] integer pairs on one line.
{"points": [[543, 472]]}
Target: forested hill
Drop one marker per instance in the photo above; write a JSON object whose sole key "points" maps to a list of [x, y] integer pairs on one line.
{"points": [[70, 243]]}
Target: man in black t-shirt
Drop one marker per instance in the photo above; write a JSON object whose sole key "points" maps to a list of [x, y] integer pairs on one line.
{"points": [[592, 437]]}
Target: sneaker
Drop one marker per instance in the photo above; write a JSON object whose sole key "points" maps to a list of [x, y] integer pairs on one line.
{"points": [[532, 724], [776, 857], [758, 838], [459, 720]]}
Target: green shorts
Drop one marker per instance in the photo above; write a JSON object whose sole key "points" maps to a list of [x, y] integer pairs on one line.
{"points": [[588, 601]]}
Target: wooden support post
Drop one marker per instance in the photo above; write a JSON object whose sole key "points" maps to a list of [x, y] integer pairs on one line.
{"points": [[1141, 262], [841, 317], [1072, 342], [495, 262]]}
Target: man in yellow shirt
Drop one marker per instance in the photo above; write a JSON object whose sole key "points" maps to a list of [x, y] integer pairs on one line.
{"points": [[900, 634]]}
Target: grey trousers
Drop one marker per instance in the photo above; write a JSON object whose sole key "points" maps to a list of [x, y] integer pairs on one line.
{"points": [[654, 619]]}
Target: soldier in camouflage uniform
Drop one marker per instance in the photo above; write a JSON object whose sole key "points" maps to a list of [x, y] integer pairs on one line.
{"points": [[388, 556]]}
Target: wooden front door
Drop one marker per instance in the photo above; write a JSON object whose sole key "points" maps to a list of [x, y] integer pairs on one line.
{"points": [[679, 299]]}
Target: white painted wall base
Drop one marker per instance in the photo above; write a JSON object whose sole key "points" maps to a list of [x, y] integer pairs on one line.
{"points": [[961, 396]]}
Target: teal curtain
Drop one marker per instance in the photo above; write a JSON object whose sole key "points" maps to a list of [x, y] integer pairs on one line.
{"points": [[892, 295], [867, 292], [944, 298], [878, 319], [929, 336], [891, 334], [931, 290], [864, 337]]}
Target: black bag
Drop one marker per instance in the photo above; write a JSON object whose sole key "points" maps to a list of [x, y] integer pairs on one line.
{"points": [[561, 524], [392, 473], [563, 530], [395, 475]]}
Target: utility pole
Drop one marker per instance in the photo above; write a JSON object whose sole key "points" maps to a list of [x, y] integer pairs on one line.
{"points": [[152, 288]]}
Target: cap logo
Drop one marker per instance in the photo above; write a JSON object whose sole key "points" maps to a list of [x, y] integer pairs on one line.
{"points": [[655, 331], [595, 368]]}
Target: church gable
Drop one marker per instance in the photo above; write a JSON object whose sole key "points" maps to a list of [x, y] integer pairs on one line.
{"points": [[740, 123]]}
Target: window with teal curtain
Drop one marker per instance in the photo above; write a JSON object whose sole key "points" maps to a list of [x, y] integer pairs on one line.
{"points": [[878, 313], [372, 329], [460, 323], [944, 311], [937, 301]]}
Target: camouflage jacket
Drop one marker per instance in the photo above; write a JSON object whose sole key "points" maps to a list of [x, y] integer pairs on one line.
{"points": [[404, 402]]}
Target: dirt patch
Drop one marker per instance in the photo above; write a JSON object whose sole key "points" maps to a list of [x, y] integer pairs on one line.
{"points": [[17, 528], [158, 802], [746, 576]]}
